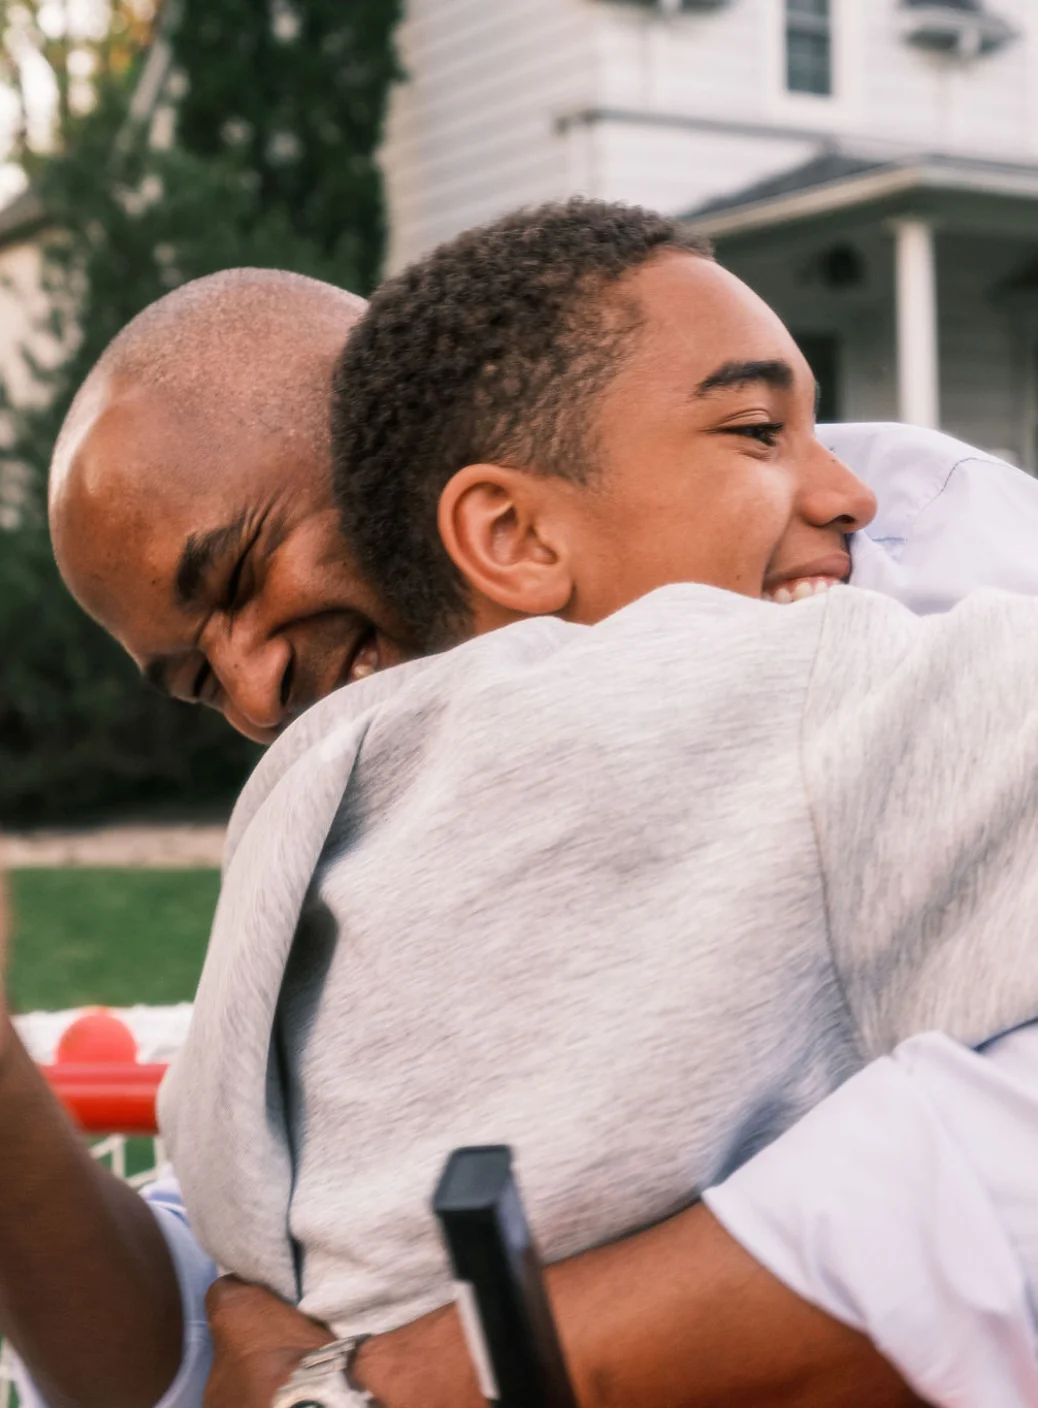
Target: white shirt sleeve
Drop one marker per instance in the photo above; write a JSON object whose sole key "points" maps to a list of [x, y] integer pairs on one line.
{"points": [[905, 1206], [196, 1272], [949, 520]]}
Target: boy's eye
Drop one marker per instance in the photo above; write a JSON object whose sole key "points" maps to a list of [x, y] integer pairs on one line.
{"points": [[765, 432]]}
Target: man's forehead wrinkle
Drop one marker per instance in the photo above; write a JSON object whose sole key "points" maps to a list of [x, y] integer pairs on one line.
{"points": [[772, 371]]}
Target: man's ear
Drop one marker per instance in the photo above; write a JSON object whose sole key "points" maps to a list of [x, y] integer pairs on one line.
{"points": [[505, 531]]}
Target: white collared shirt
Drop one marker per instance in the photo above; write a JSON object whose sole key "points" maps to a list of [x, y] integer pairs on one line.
{"points": [[949, 519]]}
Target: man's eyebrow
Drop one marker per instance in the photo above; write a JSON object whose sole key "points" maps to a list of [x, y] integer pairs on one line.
{"points": [[774, 373], [201, 552]]}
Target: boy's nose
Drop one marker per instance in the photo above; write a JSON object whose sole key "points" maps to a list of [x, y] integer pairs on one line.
{"points": [[835, 496]]}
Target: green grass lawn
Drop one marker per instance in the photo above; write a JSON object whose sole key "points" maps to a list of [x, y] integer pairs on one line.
{"points": [[113, 937]]}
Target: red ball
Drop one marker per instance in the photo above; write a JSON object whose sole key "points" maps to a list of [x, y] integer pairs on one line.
{"points": [[96, 1038]]}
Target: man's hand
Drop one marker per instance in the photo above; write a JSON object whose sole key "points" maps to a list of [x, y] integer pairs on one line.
{"points": [[257, 1342], [676, 1317]]}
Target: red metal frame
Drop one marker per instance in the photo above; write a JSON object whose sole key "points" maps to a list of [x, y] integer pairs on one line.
{"points": [[108, 1099]]}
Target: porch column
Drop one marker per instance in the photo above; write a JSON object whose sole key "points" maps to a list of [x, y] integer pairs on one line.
{"points": [[918, 363]]}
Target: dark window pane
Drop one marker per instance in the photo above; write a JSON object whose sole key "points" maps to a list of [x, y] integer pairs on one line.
{"points": [[822, 353], [809, 47], [809, 64]]}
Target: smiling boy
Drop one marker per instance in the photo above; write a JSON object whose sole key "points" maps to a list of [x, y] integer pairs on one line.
{"points": [[485, 491]]}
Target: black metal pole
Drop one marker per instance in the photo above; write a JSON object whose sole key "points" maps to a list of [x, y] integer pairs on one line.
{"points": [[501, 1295]]}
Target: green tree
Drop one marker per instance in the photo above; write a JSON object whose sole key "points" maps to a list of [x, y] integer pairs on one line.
{"points": [[226, 132]]}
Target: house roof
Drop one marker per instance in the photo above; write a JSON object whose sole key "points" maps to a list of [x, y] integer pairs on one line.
{"points": [[838, 181], [819, 171], [21, 218]]}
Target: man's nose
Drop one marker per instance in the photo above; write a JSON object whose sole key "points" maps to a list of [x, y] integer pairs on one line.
{"points": [[835, 496], [255, 678]]}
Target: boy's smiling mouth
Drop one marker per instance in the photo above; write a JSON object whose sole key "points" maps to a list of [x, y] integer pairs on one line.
{"points": [[811, 579], [800, 588]]}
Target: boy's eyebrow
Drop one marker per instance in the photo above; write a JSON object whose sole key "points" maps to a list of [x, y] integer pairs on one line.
{"points": [[201, 552], [774, 373]]}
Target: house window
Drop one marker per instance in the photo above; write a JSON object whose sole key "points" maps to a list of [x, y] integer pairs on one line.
{"points": [[809, 46], [822, 353]]}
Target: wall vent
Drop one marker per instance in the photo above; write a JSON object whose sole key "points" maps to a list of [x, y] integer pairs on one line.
{"points": [[960, 27], [679, 7]]}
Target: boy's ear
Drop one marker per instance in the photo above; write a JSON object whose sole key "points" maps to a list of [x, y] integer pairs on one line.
{"points": [[505, 531]]}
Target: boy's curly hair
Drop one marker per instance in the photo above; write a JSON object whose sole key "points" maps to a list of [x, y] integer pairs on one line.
{"points": [[491, 349]]}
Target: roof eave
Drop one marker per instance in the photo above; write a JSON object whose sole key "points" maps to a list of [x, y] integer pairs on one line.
{"points": [[24, 217], [855, 191]]}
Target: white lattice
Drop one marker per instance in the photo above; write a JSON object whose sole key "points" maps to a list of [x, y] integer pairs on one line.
{"points": [[112, 1150]]}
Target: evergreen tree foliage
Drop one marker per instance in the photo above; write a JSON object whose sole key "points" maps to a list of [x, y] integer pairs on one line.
{"points": [[275, 111], [305, 118]]}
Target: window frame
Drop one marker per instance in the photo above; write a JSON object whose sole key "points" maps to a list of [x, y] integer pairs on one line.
{"points": [[805, 25]]}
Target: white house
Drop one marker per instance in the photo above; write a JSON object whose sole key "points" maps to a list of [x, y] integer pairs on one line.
{"points": [[23, 309], [871, 166]]}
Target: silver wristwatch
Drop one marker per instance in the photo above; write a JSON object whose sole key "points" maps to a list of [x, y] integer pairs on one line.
{"points": [[321, 1379]]}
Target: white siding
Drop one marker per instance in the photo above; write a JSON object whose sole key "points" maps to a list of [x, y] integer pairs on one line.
{"points": [[934, 103], [716, 67], [22, 305], [472, 133], [714, 63], [676, 170]]}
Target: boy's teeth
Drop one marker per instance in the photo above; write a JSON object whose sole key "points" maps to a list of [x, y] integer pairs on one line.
{"points": [[809, 586], [366, 663]]}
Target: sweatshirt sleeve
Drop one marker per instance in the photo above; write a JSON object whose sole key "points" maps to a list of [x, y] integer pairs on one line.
{"points": [[920, 751]]}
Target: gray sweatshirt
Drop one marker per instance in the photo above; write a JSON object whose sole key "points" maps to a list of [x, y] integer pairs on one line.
{"points": [[631, 898]]}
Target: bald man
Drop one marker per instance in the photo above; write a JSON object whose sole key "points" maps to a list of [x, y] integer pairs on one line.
{"points": [[191, 503], [192, 514]]}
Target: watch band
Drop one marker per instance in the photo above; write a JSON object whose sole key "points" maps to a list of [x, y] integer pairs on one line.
{"points": [[321, 1379]]}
